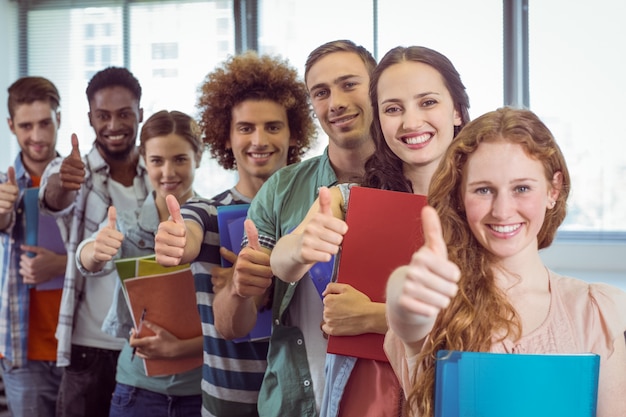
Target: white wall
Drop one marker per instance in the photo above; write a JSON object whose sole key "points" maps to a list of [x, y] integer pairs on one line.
{"points": [[593, 262]]}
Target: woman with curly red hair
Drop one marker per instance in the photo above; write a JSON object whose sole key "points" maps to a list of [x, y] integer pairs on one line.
{"points": [[479, 284]]}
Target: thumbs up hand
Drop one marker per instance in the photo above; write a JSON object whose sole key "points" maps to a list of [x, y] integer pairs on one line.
{"points": [[220, 276], [9, 192], [252, 275], [322, 233], [171, 238], [108, 240], [72, 171], [416, 293]]}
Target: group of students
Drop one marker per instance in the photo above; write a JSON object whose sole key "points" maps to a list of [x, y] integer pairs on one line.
{"points": [[497, 189]]}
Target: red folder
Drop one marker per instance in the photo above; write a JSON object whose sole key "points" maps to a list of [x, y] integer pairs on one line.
{"points": [[384, 230]]}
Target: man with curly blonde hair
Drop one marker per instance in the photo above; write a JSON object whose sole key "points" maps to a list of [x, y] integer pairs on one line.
{"points": [[255, 117]]}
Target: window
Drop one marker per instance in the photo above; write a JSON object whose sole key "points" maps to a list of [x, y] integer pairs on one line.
{"points": [[224, 26], [165, 73], [90, 31], [107, 55], [306, 25], [165, 50], [577, 86], [90, 56], [171, 46]]}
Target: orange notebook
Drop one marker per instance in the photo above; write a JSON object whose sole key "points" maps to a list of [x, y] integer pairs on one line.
{"points": [[170, 301], [384, 230]]}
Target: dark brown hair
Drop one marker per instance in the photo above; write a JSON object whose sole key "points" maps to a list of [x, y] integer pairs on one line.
{"points": [[384, 169], [27, 90], [164, 122]]}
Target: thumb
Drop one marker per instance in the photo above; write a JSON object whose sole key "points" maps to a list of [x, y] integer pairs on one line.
{"points": [[33, 249], [112, 216], [174, 208], [11, 176], [324, 199], [433, 234], [75, 154], [228, 255], [152, 326], [252, 233]]}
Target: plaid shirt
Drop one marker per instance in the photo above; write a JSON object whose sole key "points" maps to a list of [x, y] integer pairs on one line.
{"points": [[77, 221], [15, 298]]}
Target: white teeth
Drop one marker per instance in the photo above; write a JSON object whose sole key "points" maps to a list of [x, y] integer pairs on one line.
{"points": [[169, 185], [260, 155], [343, 119], [116, 137], [506, 229], [417, 139]]}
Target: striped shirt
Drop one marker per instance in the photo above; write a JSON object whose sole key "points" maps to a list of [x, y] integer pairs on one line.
{"points": [[232, 372]]}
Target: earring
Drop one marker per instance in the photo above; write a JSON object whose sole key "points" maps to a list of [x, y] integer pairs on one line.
{"points": [[552, 204]]}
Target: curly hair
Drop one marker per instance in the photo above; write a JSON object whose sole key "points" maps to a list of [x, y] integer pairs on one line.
{"points": [[164, 122], [27, 90], [480, 312], [113, 77], [384, 168], [252, 77]]}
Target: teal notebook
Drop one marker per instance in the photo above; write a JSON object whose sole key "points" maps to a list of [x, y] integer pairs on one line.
{"points": [[472, 384]]}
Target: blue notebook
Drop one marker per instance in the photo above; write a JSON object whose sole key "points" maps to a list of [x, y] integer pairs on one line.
{"points": [[321, 274], [42, 230], [230, 221], [472, 384]]}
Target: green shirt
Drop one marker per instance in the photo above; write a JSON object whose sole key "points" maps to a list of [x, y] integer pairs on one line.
{"points": [[279, 206]]}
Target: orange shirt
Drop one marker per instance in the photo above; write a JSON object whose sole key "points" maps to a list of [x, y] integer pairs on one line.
{"points": [[43, 316], [42, 324]]}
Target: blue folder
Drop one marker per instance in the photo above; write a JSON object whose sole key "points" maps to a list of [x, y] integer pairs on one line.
{"points": [[321, 274], [472, 384], [230, 221]]}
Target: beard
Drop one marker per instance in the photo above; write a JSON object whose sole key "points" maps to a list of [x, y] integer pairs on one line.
{"points": [[117, 155]]}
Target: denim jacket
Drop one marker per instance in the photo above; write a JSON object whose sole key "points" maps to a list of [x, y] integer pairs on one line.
{"points": [[138, 228]]}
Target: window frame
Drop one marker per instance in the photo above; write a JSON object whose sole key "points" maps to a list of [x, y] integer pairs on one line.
{"points": [[600, 252]]}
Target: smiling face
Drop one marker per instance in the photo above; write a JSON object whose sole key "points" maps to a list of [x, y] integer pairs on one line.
{"points": [[506, 195], [35, 126], [171, 164], [338, 87], [260, 140], [417, 114], [115, 115]]}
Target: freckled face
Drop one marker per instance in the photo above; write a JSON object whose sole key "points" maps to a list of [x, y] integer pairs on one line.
{"points": [[506, 195]]}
